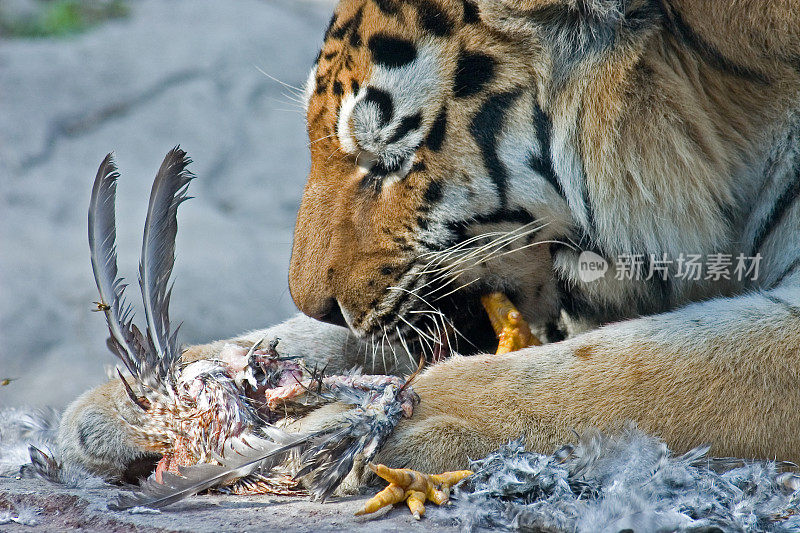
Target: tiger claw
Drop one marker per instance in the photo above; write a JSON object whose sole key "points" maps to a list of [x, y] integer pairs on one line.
{"points": [[512, 330], [415, 488]]}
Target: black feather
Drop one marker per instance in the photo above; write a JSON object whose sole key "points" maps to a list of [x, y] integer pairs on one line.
{"points": [[44, 465], [158, 255], [102, 243]]}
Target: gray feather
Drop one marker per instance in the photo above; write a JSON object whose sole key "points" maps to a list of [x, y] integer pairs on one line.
{"points": [[102, 243], [242, 458], [158, 254]]}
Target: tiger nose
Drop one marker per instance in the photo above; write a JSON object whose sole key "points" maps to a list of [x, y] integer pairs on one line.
{"points": [[329, 311]]}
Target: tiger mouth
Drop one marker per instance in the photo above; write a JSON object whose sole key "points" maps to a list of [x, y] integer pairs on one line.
{"points": [[458, 325]]}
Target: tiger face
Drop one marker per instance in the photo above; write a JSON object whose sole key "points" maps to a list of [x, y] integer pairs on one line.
{"points": [[459, 148], [421, 123]]}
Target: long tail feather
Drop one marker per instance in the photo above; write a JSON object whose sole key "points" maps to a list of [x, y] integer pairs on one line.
{"points": [[241, 459], [102, 243], [158, 254]]}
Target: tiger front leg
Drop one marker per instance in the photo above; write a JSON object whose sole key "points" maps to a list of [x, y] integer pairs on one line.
{"points": [[722, 371]]}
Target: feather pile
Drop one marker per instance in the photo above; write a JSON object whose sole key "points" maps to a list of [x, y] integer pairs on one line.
{"points": [[628, 482], [216, 421]]}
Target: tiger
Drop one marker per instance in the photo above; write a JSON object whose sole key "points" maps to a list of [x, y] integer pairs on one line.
{"points": [[539, 148]]}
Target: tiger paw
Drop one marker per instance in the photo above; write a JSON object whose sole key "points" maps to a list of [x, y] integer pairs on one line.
{"points": [[415, 488]]}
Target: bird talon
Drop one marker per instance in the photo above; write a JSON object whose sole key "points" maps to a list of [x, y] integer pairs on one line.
{"points": [[415, 488], [513, 332]]}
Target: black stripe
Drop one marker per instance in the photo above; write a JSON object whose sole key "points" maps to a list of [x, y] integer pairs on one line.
{"points": [[792, 309], [543, 163], [433, 19], [587, 200], [485, 127], [779, 210], [391, 51], [708, 51], [351, 24], [458, 230], [433, 194], [474, 71], [321, 83], [789, 270], [387, 7], [554, 333], [662, 286], [372, 182], [504, 215], [587, 203], [383, 101], [471, 15], [407, 124], [405, 295], [382, 169], [419, 166], [331, 23], [577, 305], [438, 131]]}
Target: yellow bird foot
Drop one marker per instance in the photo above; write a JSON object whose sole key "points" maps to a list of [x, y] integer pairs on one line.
{"points": [[415, 488], [511, 329]]}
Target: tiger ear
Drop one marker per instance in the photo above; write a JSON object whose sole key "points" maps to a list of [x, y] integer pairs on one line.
{"points": [[572, 31]]}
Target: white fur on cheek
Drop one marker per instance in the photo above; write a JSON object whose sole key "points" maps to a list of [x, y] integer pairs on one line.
{"points": [[346, 141], [308, 87]]}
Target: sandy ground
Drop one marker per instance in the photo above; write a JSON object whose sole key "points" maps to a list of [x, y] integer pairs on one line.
{"points": [[61, 509], [175, 72]]}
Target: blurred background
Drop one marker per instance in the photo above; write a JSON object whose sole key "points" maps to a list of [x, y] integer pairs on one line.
{"points": [[81, 78]]}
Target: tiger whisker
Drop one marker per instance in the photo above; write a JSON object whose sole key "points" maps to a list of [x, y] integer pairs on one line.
{"points": [[454, 270], [287, 110], [288, 101], [374, 352], [466, 251], [416, 329], [456, 290], [537, 243], [391, 347], [442, 255], [433, 311], [499, 234], [501, 242], [460, 244], [425, 340], [384, 369], [487, 251], [404, 344], [299, 90], [320, 139]]}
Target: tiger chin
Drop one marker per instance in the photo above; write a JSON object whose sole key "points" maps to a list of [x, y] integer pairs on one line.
{"points": [[460, 147]]}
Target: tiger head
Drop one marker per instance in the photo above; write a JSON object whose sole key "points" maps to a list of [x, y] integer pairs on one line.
{"points": [[461, 147]]}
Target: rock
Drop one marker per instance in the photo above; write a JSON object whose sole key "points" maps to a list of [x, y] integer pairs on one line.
{"points": [[180, 72]]}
